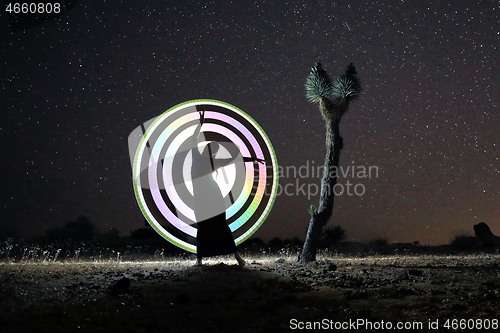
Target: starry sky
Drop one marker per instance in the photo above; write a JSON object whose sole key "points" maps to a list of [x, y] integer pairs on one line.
{"points": [[72, 90]]}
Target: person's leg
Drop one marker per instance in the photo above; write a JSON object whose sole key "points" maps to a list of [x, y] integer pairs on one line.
{"points": [[238, 258]]}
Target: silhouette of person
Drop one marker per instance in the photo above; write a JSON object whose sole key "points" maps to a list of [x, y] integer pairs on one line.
{"points": [[214, 236]]}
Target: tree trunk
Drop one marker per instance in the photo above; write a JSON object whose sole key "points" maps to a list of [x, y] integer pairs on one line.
{"points": [[334, 143]]}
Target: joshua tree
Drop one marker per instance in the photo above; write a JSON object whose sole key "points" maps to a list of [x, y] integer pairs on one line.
{"points": [[333, 99]]}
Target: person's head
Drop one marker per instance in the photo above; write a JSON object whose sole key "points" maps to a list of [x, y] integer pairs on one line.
{"points": [[213, 147]]}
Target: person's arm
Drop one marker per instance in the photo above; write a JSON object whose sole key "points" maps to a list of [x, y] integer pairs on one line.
{"points": [[253, 159], [222, 162], [196, 135]]}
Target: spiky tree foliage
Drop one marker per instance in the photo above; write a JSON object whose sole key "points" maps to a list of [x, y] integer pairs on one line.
{"points": [[347, 86], [333, 99], [318, 84], [312, 210]]}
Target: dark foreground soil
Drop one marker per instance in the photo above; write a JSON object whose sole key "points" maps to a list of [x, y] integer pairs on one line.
{"points": [[270, 294]]}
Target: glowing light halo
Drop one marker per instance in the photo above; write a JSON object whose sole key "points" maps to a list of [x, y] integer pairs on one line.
{"points": [[159, 147], [173, 148], [180, 205]]}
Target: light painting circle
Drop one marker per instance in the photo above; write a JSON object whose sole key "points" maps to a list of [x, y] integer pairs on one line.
{"points": [[162, 185]]}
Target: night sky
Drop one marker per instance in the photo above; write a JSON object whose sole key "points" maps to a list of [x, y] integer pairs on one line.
{"points": [[72, 90]]}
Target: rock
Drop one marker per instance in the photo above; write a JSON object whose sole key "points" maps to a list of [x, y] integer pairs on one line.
{"points": [[280, 261], [415, 272], [482, 230], [331, 267], [402, 276], [121, 286]]}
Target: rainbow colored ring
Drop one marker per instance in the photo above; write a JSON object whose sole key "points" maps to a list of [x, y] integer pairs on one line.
{"points": [[160, 151]]}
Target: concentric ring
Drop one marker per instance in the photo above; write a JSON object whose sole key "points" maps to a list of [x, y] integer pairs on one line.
{"points": [[161, 184]]}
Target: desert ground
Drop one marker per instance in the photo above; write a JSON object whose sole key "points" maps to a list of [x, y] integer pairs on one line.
{"points": [[423, 293]]}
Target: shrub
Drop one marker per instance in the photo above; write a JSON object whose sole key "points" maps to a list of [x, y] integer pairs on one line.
{"points": [[332, 235], [275, 244], [377, 245], [464, 241]]}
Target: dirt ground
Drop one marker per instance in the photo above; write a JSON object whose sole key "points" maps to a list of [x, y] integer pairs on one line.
{"points": [[270, 294]]}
